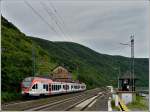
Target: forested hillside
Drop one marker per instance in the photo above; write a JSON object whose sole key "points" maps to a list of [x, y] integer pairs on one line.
{"points": [[86, 65]]}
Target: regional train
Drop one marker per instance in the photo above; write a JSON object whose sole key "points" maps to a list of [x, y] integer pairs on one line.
{"points": [[38, 86]]}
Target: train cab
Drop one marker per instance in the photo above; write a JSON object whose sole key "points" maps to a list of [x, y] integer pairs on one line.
{"points": [[35, 86]]}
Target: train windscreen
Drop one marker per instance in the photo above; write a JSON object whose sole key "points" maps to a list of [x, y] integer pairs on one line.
{"points": [[27, 81]]}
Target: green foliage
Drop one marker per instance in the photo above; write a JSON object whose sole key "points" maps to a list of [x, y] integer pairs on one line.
{"points": [[114, 108], [17, 58], [9, 96], [139, 104], [88, 66]]}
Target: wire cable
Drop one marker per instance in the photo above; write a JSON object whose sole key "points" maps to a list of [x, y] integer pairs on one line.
{"points": [[56, 20], [42, 18], [55, 10], [49, 13]]}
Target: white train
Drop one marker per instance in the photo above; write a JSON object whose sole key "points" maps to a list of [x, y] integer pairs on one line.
{"points": [[37, 86]]}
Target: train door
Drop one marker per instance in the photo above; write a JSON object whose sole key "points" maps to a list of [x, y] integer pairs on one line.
{"points": [[34, 89], [65, 88], [45, 89], [40, 88], [49, 88]]}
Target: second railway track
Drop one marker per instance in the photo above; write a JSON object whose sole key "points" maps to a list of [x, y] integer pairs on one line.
{"points": [[48, 102], [83, 104], [76, 103]]}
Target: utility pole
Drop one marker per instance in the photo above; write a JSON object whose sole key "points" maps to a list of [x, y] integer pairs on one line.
{"points": [[118, 72], [77, 69], [132, 61], [118, 76], [33, 59]]}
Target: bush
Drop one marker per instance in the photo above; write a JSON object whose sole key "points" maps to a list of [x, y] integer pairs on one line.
{"points": [[8, 96]]}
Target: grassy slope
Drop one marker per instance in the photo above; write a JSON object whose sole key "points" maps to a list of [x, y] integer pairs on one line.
{"points": [[86, 65]]}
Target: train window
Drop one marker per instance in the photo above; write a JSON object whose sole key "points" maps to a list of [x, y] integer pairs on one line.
{"points": [[49, 87], [46, 86], [56, 87], [65, 87], [52, 87], [35, 86]]}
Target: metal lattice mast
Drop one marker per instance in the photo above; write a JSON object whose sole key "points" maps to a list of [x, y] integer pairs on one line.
{"points": [[132, 61], [33, 59]]}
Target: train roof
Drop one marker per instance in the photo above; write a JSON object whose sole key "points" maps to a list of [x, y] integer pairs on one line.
{"points": [[46, 78]]}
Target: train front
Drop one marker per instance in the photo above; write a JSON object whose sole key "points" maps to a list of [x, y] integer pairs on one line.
{"points": [[26, 86]]}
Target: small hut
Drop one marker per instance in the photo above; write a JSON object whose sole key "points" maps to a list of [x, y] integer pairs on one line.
{"points": [[61, 74], [126, 90], [127, 82]]}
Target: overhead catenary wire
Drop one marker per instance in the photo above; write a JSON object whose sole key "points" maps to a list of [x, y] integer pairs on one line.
{"points": [[60, 21], [54, 19], [41, 17], [55, 10], [49, 13]]}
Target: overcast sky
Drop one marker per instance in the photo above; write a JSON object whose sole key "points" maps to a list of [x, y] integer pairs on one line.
{"points": [[100, 25]]}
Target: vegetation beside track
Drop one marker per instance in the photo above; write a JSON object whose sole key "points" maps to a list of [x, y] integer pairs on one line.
{"points": [[114, 108], [139, 104], [8, 96]]}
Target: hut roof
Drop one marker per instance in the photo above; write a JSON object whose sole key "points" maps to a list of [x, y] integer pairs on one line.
{"points": [[127, 75], [61, 73], [60, 69]]}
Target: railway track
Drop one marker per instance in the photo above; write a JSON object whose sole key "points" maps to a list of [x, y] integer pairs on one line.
{"points": [[53, 104], [77, 103], [40, 104], [85, 103]]}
